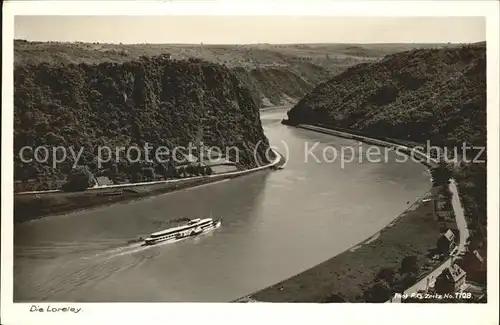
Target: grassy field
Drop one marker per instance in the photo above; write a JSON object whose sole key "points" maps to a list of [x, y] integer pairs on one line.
{"points": [[345, 277], [249, 56]]}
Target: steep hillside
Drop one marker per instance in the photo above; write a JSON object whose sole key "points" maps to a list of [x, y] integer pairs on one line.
{"points": [[277, 86], [437, 95], [158, 101], [276, 74]]}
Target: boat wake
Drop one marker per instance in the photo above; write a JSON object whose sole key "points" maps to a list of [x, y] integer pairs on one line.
{"points": [[58, 280], [137, 245], [82, 266]]}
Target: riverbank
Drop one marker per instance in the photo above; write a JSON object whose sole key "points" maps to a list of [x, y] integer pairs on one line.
{"points": [[348, 276], [405, 147], [345, 277], [463, 232], [35, 205]]}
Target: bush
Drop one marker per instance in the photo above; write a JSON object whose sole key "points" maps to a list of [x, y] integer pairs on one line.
{"points": [[155, 101], [43, 187], [149, 173], [79, 179], [380, 291], [409, 265], [336, 297], [441, 174], [404, 281]]}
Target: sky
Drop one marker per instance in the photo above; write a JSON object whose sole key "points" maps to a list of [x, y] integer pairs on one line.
{"points": [[248, 29]]}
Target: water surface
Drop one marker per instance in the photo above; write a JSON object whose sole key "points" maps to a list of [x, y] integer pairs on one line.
{"points": [[275, 224]]}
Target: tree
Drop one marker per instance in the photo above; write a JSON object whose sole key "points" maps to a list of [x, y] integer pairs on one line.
{"points": [[380, 291], [149, 173], [409, 265], [189, 170], [404, 281], [79, 179], [182, 172], [386, 274], [441, 174], [335, 297], [112, 172], [136, 177], [43, 187], [171, 171]]}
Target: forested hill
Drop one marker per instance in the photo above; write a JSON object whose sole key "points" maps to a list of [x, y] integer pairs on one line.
{"points": [[159, 101], [426, 94], [435, 95], [276, 74]]}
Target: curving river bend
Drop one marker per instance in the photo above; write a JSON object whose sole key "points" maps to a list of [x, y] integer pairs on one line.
{"points": [[275, 225]]}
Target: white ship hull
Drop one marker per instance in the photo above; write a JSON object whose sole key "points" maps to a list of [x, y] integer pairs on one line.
{"points": [[194, 228]]}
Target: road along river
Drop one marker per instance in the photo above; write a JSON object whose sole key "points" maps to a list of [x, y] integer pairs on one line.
{"points": [[275, 224]]}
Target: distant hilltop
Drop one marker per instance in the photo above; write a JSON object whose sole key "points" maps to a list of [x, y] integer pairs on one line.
{"points": [[276, 74]]}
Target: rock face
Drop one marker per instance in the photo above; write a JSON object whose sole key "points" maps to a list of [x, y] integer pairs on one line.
{"points": [[437, 95], [158, 101]]}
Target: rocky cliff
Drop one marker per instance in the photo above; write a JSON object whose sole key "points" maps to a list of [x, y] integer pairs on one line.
{"points": [[277, 86], [156, 101]]}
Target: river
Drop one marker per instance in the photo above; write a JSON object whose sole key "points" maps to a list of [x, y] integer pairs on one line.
{"points": [[275, 225]]}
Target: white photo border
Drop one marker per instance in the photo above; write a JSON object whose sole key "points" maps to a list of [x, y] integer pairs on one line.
{"points": [[134, 313]]}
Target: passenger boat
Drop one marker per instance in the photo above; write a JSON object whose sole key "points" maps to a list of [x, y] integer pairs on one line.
{"points": [[193, 227]]}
